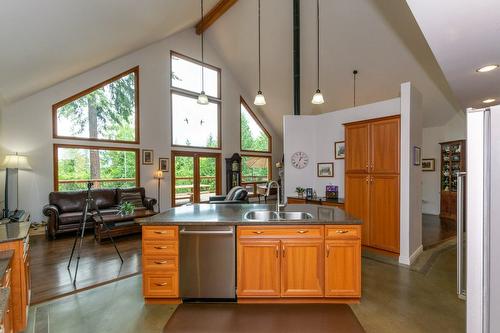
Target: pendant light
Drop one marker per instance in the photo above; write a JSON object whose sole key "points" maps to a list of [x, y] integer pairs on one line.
{"points": [[318, 96], [202, 97], [259, 98]]}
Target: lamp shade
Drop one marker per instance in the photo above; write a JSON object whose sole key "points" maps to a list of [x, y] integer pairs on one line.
{"points": [[158, 174], [16, 162], [202, 98], [318, 98], [259, 99]]}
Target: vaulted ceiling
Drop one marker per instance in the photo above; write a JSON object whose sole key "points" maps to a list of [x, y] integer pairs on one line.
{"points": [[45, 42]]}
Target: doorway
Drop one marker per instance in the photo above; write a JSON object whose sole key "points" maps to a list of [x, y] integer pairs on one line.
{"points": [[195, 176]]}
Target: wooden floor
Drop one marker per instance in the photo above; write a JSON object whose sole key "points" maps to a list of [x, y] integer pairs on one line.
{"points": [[99, 264], [436, 230]]}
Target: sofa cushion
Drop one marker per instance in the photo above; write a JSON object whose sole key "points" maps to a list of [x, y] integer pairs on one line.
{"points": [[76, 217], [74, 201], [134, 198]]}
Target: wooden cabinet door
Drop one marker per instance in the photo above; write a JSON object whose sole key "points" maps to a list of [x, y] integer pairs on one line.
{"points": [[258, 268], [302, 273], [342, 268], [384, 146], [356, 148], [357, 201], [384, 212]]}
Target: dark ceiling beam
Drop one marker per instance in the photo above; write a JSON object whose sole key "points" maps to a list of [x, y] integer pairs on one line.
{"points": [[296, 57], [213, 15]]}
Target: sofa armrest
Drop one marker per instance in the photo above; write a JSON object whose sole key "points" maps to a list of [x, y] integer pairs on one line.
{"points": [[149, 203], [52, 212], [216, 198]]}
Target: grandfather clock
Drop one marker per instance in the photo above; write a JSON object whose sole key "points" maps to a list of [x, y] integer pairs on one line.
{"points": [[233, 169]]}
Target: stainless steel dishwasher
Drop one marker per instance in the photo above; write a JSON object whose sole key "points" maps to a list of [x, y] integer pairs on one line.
{"points": [[207, 263]]}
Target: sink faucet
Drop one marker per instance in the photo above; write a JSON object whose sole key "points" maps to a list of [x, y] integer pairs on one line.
{"points": [[278, 202]]}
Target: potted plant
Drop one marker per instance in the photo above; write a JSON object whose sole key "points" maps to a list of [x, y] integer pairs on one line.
{"points": [[300, 191], [126, 208]]}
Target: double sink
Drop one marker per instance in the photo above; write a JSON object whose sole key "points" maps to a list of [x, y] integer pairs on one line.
{"points": [[269, 215]]}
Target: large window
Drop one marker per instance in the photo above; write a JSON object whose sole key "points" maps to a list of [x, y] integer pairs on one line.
{"points": [[253, 136], [106, 167], [107, 111], [194, 125], [255, 170]]}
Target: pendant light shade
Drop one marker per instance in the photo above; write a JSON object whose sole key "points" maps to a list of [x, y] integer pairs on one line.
{"points": [[202, 97], [318, 96], [259, 98]]}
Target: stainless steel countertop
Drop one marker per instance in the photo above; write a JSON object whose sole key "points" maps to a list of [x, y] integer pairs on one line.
{"points": [[232, 214]]}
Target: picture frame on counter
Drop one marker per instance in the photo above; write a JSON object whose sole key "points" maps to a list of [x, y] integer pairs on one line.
{"points": [[340, 150], [428, 164], [147, 156], [325, 169], [163, 164]]}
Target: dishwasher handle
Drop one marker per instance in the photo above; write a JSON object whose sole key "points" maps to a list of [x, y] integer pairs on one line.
{"points": [[206, 232]]}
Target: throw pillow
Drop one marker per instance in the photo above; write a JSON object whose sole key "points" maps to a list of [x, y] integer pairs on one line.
{"points": [[134, 198]]}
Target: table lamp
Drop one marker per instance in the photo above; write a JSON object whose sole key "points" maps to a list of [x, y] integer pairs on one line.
{"points": [[158, 175], [17, 162]]}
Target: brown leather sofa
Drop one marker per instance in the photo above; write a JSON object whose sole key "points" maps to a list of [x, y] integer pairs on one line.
{"points": [[65, 209]]}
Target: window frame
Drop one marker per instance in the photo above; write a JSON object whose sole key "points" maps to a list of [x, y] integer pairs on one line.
{"points": [[87, 91], [264, 129], [61, 145], [194, 95], [270, 173]]}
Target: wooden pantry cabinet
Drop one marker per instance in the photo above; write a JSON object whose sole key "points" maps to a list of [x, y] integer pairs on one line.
{"points": [[372, 183], [291, 264]]}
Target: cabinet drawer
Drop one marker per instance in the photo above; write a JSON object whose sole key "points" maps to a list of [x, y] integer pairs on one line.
{"points": [[161, 285], [157, 248], [343, 232], [281, 232], [160, 233], [166, 263]]}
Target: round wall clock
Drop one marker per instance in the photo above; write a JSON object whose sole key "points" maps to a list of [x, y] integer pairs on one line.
{"points": [[300, 160]]}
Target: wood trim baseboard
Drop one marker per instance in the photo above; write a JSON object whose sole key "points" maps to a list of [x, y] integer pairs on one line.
{"points": [[299, 300]]}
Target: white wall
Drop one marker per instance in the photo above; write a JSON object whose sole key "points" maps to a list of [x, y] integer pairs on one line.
{"points": [[454, 129], [410, 175], [26, 126], [316, 136]]}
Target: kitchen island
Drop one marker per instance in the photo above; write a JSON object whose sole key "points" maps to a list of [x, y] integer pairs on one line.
{"points": [[311, 257]]}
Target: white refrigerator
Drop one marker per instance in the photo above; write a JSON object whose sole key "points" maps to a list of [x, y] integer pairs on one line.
{"points": [[483, 220]]}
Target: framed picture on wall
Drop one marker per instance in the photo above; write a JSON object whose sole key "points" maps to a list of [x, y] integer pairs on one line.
{"points": [[428, 164], [325, 169], [417, 155], [163, 164], [340, 150], [147, 156]]}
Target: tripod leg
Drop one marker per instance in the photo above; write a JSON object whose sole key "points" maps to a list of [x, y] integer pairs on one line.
{"points": [[82, 234], [108, 232], [78, 234]]}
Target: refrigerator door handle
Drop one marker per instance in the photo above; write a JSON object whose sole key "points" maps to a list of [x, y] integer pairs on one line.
{"points": [[460, 235]]}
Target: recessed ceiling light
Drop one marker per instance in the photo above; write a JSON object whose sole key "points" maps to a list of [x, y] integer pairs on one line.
{"points": [[486, 68], [489, 100]]}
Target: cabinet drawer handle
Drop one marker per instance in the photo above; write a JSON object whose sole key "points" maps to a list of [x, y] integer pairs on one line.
{"points": [[327, 251], [342, 231], [283, 250], [160, 232], [162, 262], [302, 231], [161, 284], [160, 247], [258, 232], [277, 251]]}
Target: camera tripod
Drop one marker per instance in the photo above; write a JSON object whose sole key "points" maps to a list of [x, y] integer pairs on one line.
{"points": [[91, 209]]}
